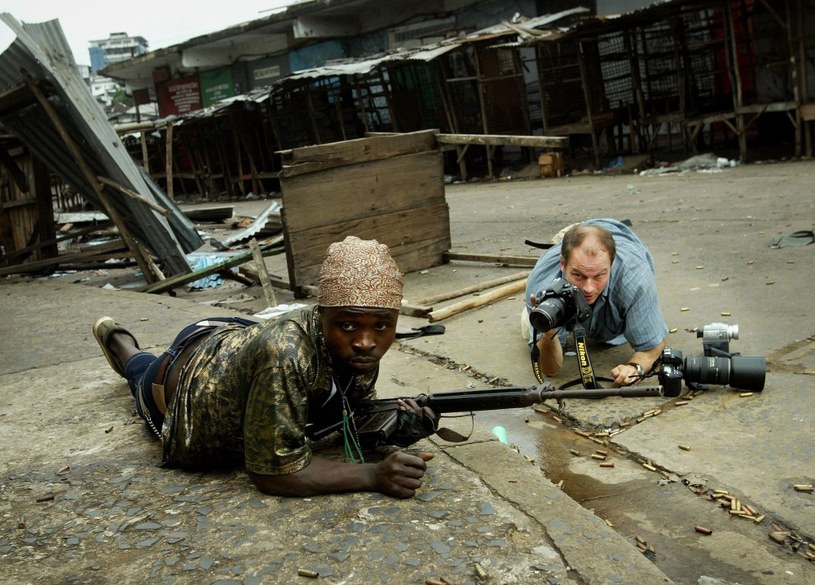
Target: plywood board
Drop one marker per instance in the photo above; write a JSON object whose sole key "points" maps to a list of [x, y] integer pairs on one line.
{"points": [[321, 156], [386, 187], [418, 239], [362, 190]]}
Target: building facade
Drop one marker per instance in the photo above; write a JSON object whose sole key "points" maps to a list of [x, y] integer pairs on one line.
{"points": [[117, 48]]}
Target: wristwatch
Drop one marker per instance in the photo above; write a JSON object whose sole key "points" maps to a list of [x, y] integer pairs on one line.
{"points": [[640, 370]]}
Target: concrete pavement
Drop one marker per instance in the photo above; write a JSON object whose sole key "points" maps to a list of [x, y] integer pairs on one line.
{"points": [[108, 514], [83, 500]]}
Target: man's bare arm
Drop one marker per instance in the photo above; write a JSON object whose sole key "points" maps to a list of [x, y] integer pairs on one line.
{"points": [[399, 474]]}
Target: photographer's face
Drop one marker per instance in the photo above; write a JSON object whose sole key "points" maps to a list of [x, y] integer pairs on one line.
{"points": [[589, 269]]}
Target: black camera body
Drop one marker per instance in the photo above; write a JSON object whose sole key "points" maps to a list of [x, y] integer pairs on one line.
{"points": [[560, 305], [716, 366]]}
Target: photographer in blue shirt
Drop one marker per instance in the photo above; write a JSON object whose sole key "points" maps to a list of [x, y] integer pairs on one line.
{"points": [[615, 272]]}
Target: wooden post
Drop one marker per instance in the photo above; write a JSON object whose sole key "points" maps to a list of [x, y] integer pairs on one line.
{"points": [[804, 78], [587, 83], [133, 195], [732, 60], [145, 157], [90, 177], [636, 80], [168, 160], [795, 116], [263, 275], [483, 107]]}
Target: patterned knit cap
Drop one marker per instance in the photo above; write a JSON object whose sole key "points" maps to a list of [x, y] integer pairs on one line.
{"points": [[359, 273]]}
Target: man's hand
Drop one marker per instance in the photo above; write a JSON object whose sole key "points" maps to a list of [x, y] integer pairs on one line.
{"points": [[550, 356], [627, 374], [410, 404], [400, 474]]}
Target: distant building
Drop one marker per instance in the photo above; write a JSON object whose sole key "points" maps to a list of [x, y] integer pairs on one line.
{"points": [[104, 89], [115, 49]]}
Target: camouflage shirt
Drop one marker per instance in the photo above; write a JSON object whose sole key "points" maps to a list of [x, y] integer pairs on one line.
{"points": [[247, 393]]}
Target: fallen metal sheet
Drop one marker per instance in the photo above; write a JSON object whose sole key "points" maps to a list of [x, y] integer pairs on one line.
{"points": [[41, 52], [257, 225]]}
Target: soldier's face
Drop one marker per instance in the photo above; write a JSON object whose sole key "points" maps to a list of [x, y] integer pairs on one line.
{"points": [[358, 337]]}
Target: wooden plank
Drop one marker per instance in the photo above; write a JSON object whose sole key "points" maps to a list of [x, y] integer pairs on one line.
{"points": [[312, 168], [365, 190], [358, 150], [412, 310], [473, 289], [504, 140], [480, 301], [38, 265], [503, 260], [373, 190], [269, 249], [807, 112]]}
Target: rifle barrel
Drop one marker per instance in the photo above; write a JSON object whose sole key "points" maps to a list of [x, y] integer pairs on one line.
{"points": [[518, 397]]}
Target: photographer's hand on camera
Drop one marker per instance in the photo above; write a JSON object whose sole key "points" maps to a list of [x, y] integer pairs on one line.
{"points": [[637, 367], [551, 353]]}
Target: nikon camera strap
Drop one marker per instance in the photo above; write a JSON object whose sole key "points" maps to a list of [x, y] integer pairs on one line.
{"points": [[587, 377]]}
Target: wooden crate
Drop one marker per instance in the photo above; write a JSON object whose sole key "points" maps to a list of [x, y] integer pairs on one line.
{"points": [[384, 187], [551, 164], [27, 230]]}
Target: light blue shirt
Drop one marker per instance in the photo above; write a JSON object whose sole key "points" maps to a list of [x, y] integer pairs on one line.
{"points": [[628, 305]]}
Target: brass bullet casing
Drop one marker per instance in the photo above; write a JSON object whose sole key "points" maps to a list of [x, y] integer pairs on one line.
{"points": [[803, 487], [703, 530], [479, 570], [308, 573], [779, 537]]}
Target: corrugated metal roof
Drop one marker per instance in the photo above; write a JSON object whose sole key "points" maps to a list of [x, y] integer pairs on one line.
{"points": [[428, 53], [41, 52]]}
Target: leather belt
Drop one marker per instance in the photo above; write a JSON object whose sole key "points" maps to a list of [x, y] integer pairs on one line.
{"points": [[158, 387]]}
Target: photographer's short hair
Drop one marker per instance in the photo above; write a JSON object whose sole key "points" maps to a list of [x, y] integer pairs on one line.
{"points": [[577, 234]]}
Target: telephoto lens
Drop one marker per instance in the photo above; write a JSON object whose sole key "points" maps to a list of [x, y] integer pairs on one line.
{"points": [[748, 372], [745, 372]]}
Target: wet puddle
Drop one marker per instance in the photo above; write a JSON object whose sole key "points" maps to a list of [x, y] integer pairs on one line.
{"points": [[550, 444]]}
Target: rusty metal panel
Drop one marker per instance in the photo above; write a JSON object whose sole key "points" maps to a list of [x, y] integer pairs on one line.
{"points": [[41, 52]]}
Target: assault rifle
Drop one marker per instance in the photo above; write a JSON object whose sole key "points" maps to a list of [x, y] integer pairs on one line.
{"points": [[376, 419]]}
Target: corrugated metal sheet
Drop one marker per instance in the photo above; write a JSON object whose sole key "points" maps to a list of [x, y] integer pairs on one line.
{"points": [[41, 52]]}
